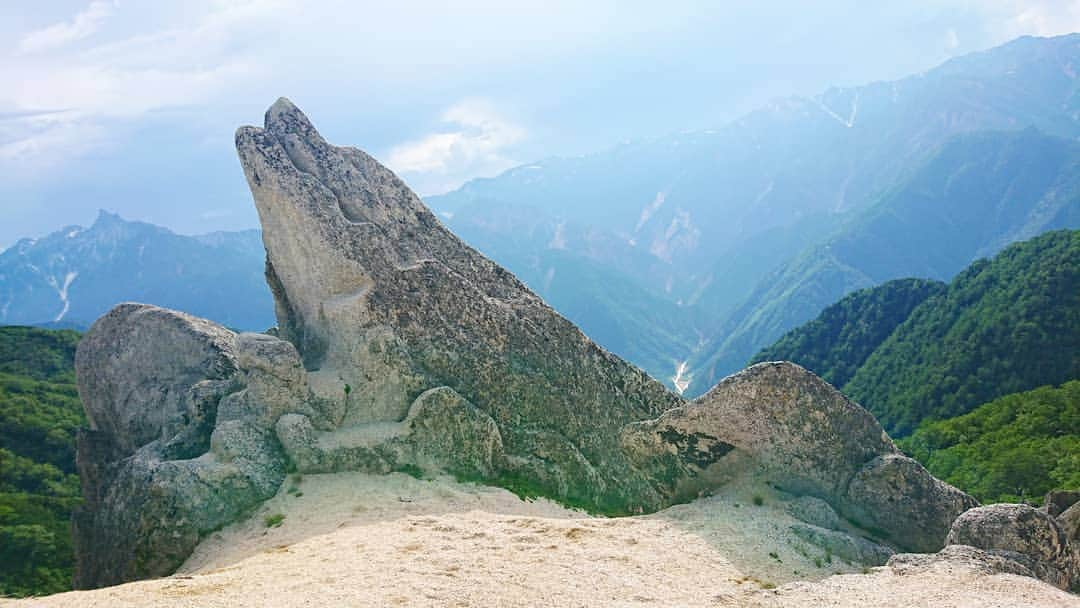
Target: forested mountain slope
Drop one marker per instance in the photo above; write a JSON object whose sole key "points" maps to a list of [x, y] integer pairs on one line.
{"points": [[840, 339], [39, 414], [1015, 448], [1003, 326], [978, 193], [703, 219]]}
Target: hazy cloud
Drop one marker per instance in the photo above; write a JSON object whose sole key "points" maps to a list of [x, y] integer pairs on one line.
{"points": [[952, 40], [1047, 18], [476, 146], [57, 35], [145, 94], [122, 78]]}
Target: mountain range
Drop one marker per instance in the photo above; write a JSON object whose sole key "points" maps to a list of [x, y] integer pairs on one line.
{"points": [[71, 277], [724, 224], [980, 192], [689, 253]]}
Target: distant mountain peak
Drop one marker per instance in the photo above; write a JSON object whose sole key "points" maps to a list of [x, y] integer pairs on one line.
{"points": [[76, 273]]}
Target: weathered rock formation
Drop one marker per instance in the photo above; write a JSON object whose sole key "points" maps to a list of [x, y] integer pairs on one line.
{"points": [[379, 297], [1057, 502], [808, 439], [1024, 535], [403, 348]]}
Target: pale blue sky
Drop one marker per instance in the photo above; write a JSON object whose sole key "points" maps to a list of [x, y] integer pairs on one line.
{"points": [[131, 106]]}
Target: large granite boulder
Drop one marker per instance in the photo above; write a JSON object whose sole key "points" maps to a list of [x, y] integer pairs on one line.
{"points": [[1024, 534], [384, 303], [807, 438]]}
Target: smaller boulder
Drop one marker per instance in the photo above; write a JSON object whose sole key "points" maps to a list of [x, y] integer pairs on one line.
{"points": [[1007, 529], [986, 562], [851, 549], [450, 433], [896, 495]]}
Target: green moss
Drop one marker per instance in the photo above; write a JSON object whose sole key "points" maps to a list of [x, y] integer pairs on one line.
{"points": [[528, 489], [274, 520], [411, 470]]}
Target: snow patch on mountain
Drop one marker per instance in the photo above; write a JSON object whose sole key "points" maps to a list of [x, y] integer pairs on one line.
{"points": [[62, 291], [850, 120], [558, 240], [681, 380], [650, 210]]}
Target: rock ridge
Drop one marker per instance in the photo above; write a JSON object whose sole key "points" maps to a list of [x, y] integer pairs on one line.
{"points": [[401, 348]]}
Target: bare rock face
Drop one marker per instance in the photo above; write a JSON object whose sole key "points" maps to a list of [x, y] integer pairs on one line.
{"points": [[808, 439], [1021, 533], [179, 443], [383, 304]]}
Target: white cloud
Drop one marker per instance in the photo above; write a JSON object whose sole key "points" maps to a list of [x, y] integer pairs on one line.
{"points": [[475, 147], [1049, 19], [1040, 17], [30, 139], [83, 24], [179, 64], [952, 40]]}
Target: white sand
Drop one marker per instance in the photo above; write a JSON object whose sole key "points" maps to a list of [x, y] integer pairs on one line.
{"points": [[359, 540]]}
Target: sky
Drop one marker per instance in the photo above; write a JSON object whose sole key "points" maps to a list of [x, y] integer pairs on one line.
{"points": [[131, 106]]}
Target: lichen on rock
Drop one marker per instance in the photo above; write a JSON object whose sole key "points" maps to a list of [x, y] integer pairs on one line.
{"points": [[809, 439]]}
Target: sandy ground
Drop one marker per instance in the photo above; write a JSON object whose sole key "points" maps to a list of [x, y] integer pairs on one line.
{"points": [[359, 540]]}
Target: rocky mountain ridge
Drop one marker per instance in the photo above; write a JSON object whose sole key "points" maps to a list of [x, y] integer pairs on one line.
{"points": [[733, 227], [76, 274], [401, 348]]}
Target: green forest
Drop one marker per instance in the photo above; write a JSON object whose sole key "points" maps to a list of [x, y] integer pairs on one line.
{"points": [[1002, 326], [965, 374], [840, 339], [1014, 449], [39, 415], [914, 350]]}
